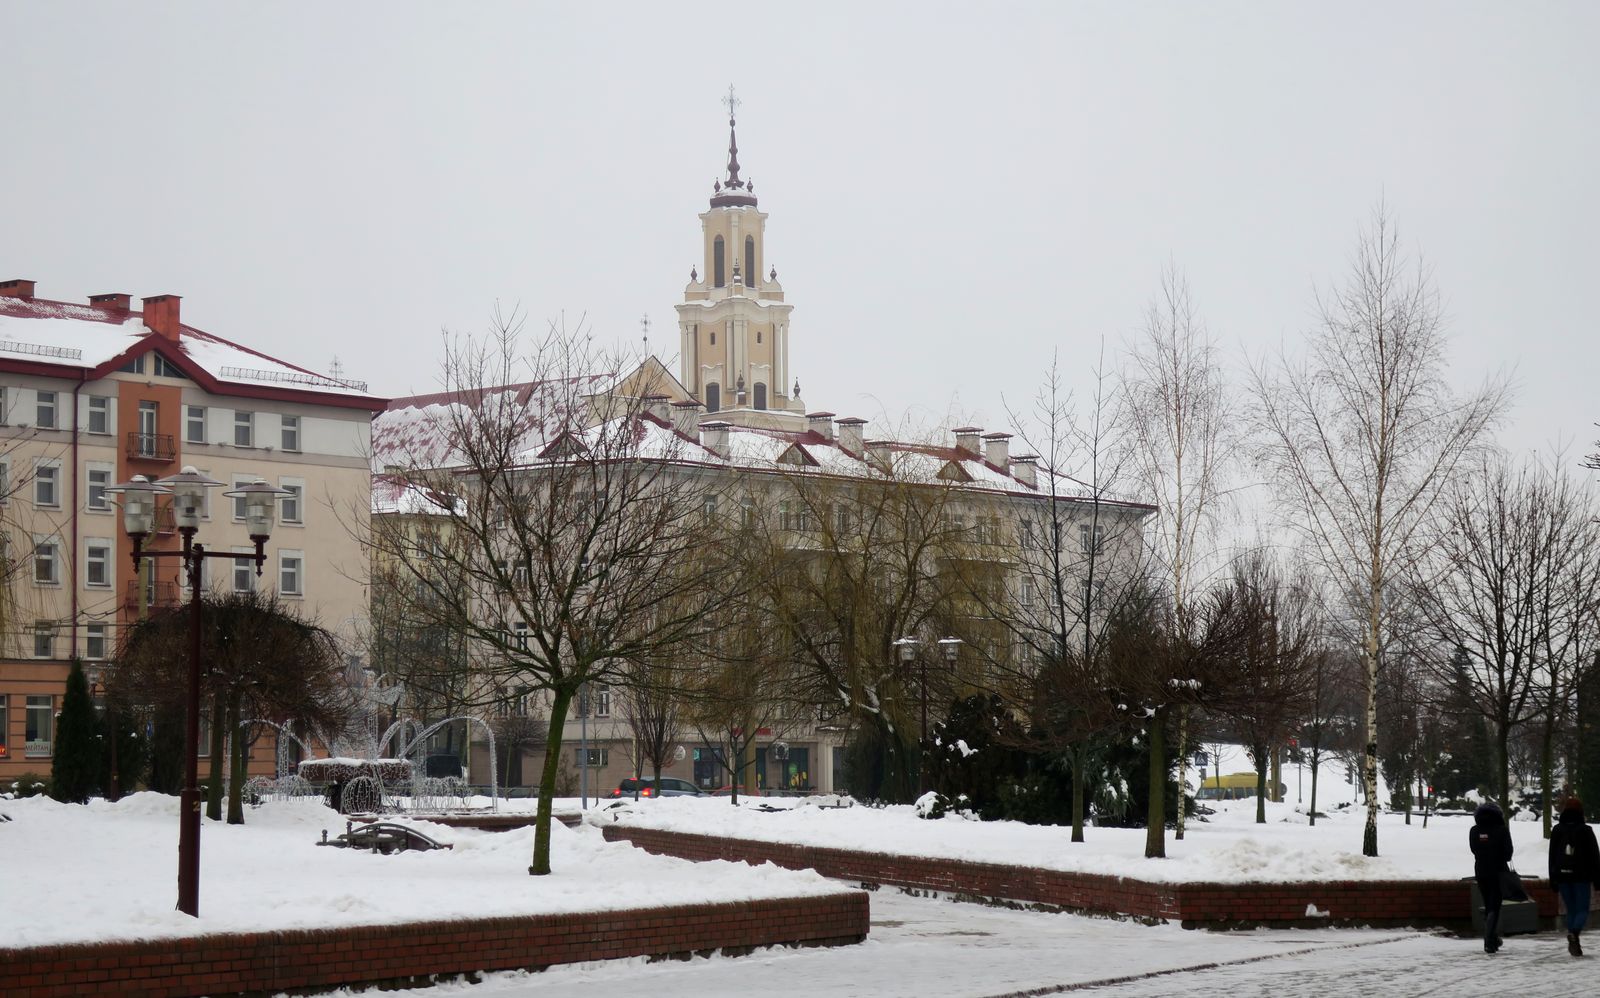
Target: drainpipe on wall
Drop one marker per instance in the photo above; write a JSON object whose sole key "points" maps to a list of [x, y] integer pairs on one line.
{"points": [[77, 504]]}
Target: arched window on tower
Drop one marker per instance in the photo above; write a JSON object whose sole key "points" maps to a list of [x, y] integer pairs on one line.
{"points": [[761, 395], [719, 276], [750, 270], [713, 397]]}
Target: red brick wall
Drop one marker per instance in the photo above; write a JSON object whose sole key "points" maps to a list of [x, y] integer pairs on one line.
{"points": [[279, 961], [1421, 902]]}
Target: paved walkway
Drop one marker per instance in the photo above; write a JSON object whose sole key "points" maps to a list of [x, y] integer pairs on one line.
{"points": [[924, 946]]}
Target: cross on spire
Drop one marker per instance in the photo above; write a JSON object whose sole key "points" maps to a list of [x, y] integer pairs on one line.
{"points": [[731, 102]]}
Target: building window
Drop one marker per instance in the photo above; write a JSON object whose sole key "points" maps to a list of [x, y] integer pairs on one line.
{"points": [[44, 639], [134, 366], [47, 485], [713, 392], [1027, 592], [99, 414], [709, 509], [749, 261], [240, 502], [97, 563], [164, 368], [244, 575], [602, 701], [194, 424], [595, 758], [291, 507], [45, 410], [46, 561], [38, 718], [1085, 544], [718, 254], [291, 433], [289, 573], [761, 393], [5, 726], [94, 641], [99, 478], [747, 511], [244, 429]]}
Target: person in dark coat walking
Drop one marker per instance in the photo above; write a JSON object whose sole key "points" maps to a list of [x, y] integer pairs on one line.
{"points": [[1574, 866], [1491, 855]]}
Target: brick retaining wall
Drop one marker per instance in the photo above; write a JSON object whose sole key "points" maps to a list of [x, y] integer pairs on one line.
{"points": [[269, 962], [1441, 903]]}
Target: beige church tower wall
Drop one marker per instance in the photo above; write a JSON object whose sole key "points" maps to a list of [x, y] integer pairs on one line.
{"points": [[733, 322]]}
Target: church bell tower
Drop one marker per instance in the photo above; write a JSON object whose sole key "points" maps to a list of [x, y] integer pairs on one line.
{"points": [[733, 321]]}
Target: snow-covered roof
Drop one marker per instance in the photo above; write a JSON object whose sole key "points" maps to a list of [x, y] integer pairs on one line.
{"points": [[64, 339]]}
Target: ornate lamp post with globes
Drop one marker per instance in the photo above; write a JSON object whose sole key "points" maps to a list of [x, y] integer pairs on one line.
{"points": [[188, 491]]}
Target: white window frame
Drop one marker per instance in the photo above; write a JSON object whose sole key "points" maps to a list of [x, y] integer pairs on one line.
{"points": [[289, 426], [5, 479], [190, 420], [299, 558], [50, 553], [41, 407], [95, 642], [602, 701], [90, 470], [246, 421], [103, 410], [45, 630], [599, 757], [238, 502], [244, 561], [53, 466], [108, 553], [45, 747], [298, 487]]}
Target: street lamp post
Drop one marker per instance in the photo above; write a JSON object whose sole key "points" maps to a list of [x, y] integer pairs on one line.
{"points": [[908, 650], [188, 491]]}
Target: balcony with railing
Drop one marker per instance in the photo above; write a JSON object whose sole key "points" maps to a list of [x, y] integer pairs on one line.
{"points": [[158, 595], [155, 447]]}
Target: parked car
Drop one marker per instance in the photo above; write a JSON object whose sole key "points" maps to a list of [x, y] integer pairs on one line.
{"points": [[645, 786]]}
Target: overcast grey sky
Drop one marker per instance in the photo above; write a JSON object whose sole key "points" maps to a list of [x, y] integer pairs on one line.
{"points": [[955, 190]]}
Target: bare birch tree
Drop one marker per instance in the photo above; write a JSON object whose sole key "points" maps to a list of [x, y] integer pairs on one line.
{"points": [[1361, 436], [1176, 398]]}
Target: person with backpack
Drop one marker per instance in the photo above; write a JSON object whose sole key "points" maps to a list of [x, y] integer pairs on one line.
{"points": [[1574, 867], [1490, 840]]}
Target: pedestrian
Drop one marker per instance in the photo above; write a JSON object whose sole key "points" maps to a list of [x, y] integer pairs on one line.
{"points": [[1574, 867], [1491, 858]]}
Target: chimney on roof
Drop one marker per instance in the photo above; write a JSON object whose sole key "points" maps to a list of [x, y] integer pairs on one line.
{"points": [[967, 438], [714, 436], [879, 457], [656, 405], [852, 433], [115, 302], [161, 315], [996, 447], [1024, 469], [686, 417], [16, 288], [820, 423]]}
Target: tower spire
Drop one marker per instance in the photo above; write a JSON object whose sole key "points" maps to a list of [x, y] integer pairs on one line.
{"points": [[732, 191]]}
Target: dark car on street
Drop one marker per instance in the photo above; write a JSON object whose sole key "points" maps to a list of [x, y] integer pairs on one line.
{"points": [[645, 786]]}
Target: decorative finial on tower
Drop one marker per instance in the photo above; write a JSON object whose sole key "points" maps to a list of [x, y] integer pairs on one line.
{"points": [[644, 324], [774, 275], [732, 192], [732, 103], [796, 387], [694, 275]]}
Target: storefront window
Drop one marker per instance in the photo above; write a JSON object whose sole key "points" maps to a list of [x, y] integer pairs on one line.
{"points": [[38, 726]]}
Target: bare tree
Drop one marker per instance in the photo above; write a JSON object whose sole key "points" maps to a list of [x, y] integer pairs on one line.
{"points": [[1361, 437], [558, 532], [1334, 706], [1176, 399], [652, 705]]}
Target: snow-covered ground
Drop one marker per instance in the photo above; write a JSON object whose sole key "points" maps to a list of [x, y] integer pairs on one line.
{"points": [[109, 871]]}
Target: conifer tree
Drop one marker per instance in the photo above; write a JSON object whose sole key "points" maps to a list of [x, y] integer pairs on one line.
{"points": [[75, 769]]}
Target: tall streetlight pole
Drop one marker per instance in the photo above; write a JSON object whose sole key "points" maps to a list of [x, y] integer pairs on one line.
{"points": [[188, 490], [907, 647]]}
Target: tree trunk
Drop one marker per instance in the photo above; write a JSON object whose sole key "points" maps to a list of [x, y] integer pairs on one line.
{"points": [[1155, 827], [1369, 761], [1314, 767], [540, 866], [237, 764], [1079, 768], [1502, 744], [1183, 769], [1260, 752], [219, 734], [1547, 751]]}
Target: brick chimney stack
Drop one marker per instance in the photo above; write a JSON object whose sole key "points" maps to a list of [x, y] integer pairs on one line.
{"points": [[852, 434], [16, 288], [114, 302], [161, 315]]}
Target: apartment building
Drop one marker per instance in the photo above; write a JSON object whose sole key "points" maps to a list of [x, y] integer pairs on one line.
{"points": [[95, 393]]}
